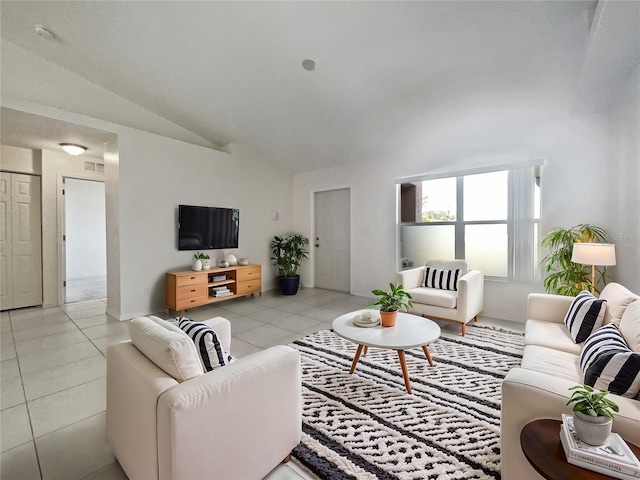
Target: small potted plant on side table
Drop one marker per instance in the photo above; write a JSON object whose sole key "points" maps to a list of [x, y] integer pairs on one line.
{"points": [[593, 414], [392, 301]]}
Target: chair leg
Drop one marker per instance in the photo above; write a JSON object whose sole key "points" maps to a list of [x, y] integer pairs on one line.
{"points": [[287, 458], [464, 329]]}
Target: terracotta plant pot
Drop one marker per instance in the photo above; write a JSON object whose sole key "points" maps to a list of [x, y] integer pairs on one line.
{"points": [[388, 318]]}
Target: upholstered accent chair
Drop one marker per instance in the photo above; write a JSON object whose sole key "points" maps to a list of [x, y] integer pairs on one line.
{"points": [[445, 290], [167, 419]]}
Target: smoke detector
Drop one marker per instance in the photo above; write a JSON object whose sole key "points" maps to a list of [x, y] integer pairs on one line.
{"points": [[308, 65]]}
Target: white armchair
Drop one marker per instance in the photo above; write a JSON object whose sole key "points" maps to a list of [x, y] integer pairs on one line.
{"points": [[235, 422], [453, 306]]}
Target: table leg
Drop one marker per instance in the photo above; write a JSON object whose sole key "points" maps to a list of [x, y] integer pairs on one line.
{"points": [[356, 358], [427, 354], [405, 373], [366, 349]]}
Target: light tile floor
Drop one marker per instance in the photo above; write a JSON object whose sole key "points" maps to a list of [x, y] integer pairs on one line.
{"points": [[52, 391]]}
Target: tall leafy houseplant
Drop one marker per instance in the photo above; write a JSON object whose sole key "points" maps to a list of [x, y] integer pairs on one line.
{"points": [[564, 277], [286, 254]]}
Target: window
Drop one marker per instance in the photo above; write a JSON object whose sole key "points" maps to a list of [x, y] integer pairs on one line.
{"points": [[490, 218]]}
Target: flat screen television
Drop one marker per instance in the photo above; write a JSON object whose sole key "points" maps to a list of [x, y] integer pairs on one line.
{"points": [[207, 228]]}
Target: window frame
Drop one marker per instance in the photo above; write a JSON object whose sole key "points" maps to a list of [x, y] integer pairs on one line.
{"points": [[520, 239]]}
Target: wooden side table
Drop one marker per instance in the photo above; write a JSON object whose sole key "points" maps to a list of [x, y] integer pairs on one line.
{"points": [[540, 442]]}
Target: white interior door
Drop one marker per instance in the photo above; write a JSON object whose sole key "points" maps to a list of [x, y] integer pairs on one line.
{"points": [[6, 249], [332, 240], [21, 261]]}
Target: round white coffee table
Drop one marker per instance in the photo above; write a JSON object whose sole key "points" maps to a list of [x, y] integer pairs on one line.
{"points": [[410, 331]]}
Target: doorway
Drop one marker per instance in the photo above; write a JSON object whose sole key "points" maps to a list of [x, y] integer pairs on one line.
{"points": [[332, 240], [85, 240]]}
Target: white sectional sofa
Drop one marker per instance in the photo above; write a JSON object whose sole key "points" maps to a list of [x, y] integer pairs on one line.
{"points": [[551, 365], [168, 420]]}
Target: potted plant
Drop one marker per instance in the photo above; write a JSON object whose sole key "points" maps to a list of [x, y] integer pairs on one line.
{"points": [[203, 258], [593, 414], [392, 301], [563, 276], [286, 253]]}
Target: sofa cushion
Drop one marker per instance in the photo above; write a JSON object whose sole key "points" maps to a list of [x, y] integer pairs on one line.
{"points": [[441, 279], [552, 362], [630, 326], [585, 315], [172, 352], [434, 296], [609, 364], [618, 298], [551, 335], [207, 342]]}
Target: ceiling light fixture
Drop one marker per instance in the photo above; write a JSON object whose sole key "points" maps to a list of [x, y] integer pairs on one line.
{"points": [[43, 32], [308, 65], [73, 149]]}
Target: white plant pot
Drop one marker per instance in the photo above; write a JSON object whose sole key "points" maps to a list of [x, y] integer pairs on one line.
{"points": [[206, 264], [196, 265], [592, 430]]}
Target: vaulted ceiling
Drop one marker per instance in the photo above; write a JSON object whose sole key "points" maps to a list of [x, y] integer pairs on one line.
{"points": [[214, 72]]}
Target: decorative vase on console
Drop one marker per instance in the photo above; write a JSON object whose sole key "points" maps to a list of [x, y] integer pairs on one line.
{"points": [[202, 259]]}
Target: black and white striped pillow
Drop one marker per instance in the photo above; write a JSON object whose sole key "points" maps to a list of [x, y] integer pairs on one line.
{"points": [[207, 343], [442, 279], [608, 363], [585, 315]]}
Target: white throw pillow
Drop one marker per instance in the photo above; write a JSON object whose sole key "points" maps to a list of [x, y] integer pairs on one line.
{"points": [[630, 326], [170, 351], [618, 299], [585, 315]]}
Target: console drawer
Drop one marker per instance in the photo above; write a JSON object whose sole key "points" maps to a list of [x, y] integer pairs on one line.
{"points": [[189, 302], [191, 279], [250, 273], [250, 286], [187, 292]]}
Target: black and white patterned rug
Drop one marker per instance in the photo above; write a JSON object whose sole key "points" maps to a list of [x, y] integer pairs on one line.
{"points": [[366, 425]]}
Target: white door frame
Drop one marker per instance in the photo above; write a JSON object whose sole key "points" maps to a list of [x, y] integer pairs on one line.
{"points": [[61, 227], [312, 248]]}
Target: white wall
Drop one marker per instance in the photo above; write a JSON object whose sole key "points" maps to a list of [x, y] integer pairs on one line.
{"points": [[22, 160], [624, 160], [85, 229], [579, 185], [156, 174]]}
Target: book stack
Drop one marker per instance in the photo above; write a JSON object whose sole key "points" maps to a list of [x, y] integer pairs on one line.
{"points": [[218, 278], [220, 291], [614, 458]]}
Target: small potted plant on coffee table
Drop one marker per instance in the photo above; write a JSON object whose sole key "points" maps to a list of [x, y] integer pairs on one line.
{"points": [[392, 301], [593, 414]]}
